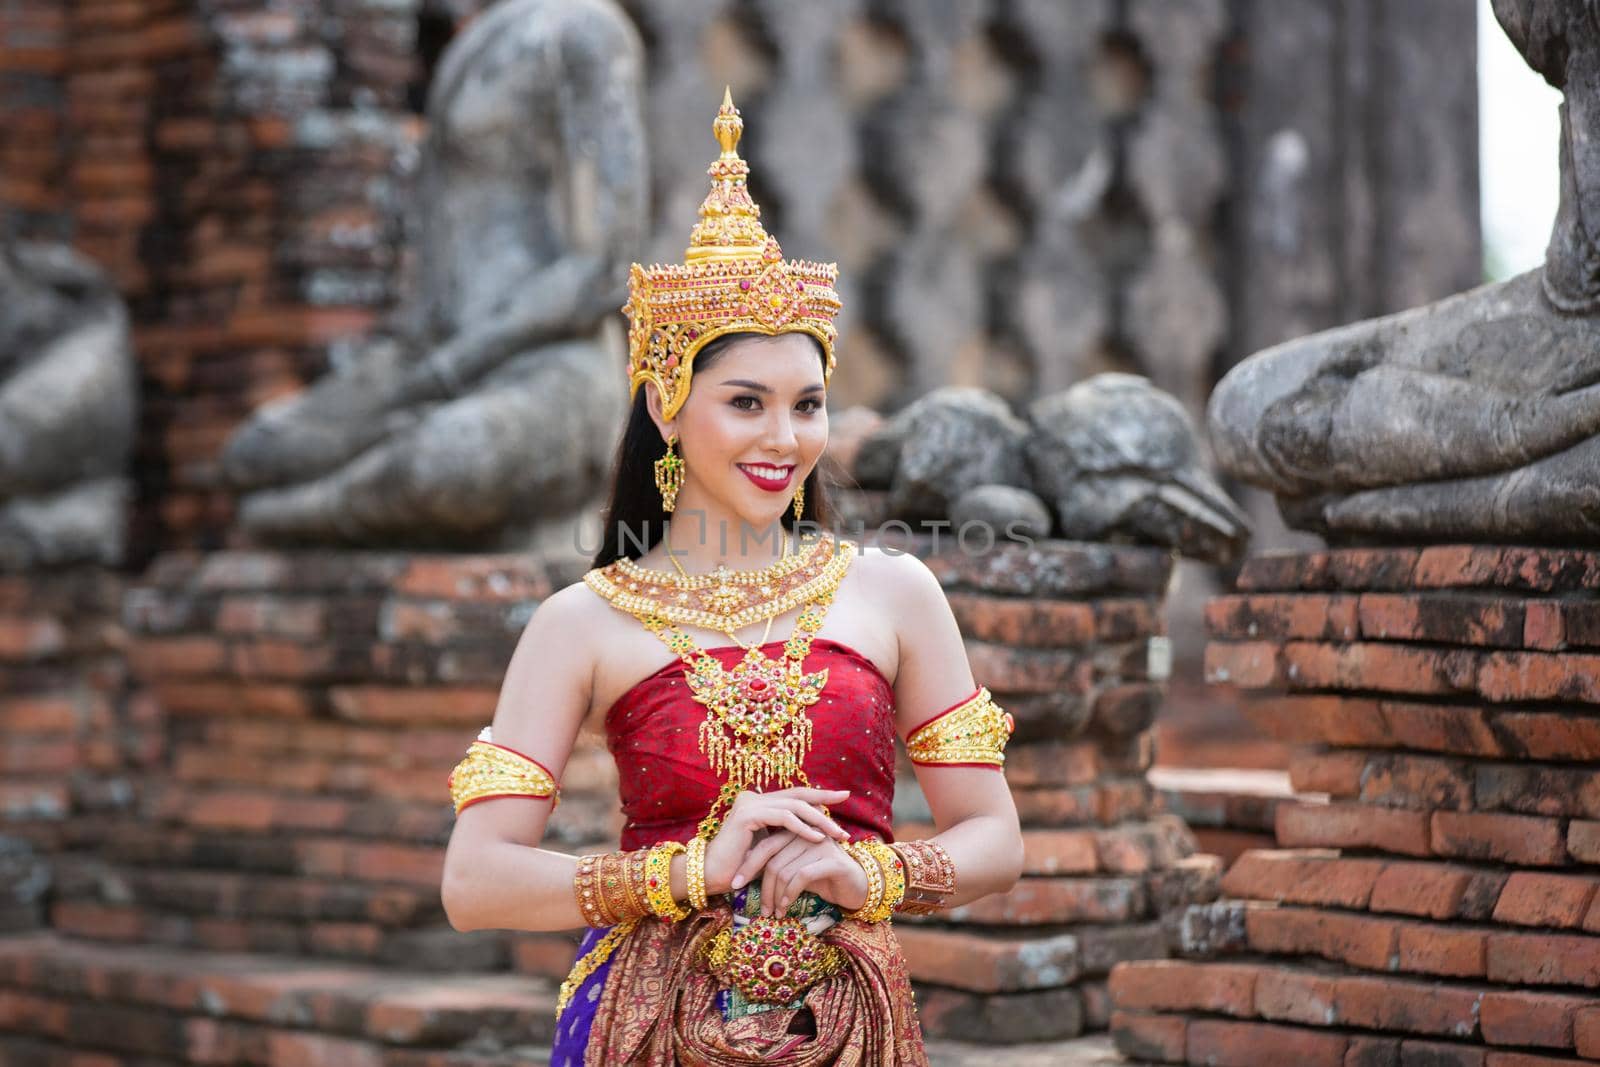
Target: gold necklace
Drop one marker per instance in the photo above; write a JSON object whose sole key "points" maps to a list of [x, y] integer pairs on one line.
{"points": [[723, 571], [756, 731]]}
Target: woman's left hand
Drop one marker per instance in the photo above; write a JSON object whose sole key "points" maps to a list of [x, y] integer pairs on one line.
{"points": [[790, 865]]}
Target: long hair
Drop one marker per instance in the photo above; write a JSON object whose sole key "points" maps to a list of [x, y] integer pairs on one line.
{"points": [[634, 518]]}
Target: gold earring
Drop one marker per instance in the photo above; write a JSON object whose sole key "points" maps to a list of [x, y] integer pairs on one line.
{"points": [[799, 500], [669, 475]]}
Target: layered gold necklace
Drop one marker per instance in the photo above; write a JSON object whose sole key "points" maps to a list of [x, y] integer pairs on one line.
{"points": [[756, 732]]}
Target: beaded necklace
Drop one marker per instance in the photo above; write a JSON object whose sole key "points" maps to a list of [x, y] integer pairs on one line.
{"points": [[756, 731]]}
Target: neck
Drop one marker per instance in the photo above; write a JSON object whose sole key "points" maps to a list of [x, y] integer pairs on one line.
{"points": [[704, 537]]}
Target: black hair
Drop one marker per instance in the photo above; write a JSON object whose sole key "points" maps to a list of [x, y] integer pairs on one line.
{"points": [[634, 518]]}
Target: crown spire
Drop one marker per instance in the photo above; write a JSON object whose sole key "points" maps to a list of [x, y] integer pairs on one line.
{"points": [[730, 222]]}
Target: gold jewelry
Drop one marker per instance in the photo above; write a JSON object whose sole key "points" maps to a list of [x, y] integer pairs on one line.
{"points": [[973, 732], [734, 637], [724, 599], [586, 887], [590, 962], [930, 876], [695, 869], [872, 909], [491, 770], [772, 959], [734, 279], [799, 500], [658, 882], [669, 476]]}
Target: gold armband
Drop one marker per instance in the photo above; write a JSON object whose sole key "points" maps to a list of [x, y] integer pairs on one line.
{"points": [[971, 733], [491, 770], [930, 876]]}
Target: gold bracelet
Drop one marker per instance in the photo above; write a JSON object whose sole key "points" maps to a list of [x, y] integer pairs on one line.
{"points": [[930, 876], [658, 882], [868, 912], [586, 886], [695, 868], [894, 875]]}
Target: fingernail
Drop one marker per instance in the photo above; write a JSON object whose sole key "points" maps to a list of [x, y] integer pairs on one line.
{"points": [[738, 881]]}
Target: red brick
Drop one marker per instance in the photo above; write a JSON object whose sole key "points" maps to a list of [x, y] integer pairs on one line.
{"points": [[1150, 1038], [1456, 566], [1319, 717], [1302, 878], [1453, 619], [25, 638], [405, 706], [1583, 840], [1506, 676], [1461, 730], [178, 656], [1128, 618], [1451, 952], [1246, 664], [1439, 1054], [1533, 789], [1544, 1020], [1549, 735], [1407, 781], [1533, 899], [1526, 1059], [1239, 1044], [1257, 617], [1406, 1006], [1372, 568], [1544, 959], [1361, 940], [1030, 621], [1336, 773], [1377, 667], [1372, 1052], [1289, 996], [1353, 826], [1181, 985], [987, 963], [290, 1049], [1543, 626], [1277, 570], [1520, 839], [1586, 1032]]}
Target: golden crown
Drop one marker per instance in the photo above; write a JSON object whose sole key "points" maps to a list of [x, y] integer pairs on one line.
{"points": [[734, 279]]}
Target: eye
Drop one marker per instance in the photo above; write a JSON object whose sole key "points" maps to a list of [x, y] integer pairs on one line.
{"points": [[810, 405], [739, 402]]}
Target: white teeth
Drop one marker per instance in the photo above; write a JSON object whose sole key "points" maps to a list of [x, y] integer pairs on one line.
{"points": [[772, 473]]}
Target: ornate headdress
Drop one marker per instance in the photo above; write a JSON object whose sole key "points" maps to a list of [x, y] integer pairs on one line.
{"points": [[734, 279]]}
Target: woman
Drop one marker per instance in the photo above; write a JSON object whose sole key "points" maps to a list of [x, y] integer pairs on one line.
{"points": [[744, 919]]}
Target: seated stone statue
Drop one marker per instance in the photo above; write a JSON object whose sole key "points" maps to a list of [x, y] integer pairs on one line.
{"points": [[484, 413], [68, 401], [1475, 417]]}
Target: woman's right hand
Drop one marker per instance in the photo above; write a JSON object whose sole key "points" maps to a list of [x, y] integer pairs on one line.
{"points": [[752, 814]]}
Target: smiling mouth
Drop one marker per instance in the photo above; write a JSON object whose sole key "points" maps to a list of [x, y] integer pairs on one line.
{"points": [[768, 477]]}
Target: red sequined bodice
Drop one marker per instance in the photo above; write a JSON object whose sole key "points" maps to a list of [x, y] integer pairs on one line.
{"points": [[667, 786]]}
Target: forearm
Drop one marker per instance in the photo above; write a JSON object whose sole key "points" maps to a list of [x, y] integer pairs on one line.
{"points": [[987, 853], [514, 887]]}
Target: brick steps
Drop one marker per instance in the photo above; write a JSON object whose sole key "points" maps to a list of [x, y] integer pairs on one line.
{"points": [[198, 1007], [1431, 898]]}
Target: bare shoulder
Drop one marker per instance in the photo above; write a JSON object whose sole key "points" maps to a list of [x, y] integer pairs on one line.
{"points": [[551, 675], [897, 578]]}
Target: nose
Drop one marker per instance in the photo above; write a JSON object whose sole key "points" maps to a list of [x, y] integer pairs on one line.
{"points": [[780, 438]]}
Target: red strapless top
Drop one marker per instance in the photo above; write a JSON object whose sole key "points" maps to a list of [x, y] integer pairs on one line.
{"points": [[653, 731]]}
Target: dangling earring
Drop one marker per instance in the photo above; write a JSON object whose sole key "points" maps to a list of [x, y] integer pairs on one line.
{"points": [[799, 500], [669, 475]]}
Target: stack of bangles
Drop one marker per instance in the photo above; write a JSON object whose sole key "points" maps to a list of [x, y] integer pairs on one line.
{"points": [[911, 877]]}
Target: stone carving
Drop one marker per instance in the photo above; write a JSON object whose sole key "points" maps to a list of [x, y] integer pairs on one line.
{"points": [[68, 402], [485, 411], [1110, 459], [1475, 417]]}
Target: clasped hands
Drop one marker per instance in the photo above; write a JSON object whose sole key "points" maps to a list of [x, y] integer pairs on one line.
{"points": [[790, 842]]}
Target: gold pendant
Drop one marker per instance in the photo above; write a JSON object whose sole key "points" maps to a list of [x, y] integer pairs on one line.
{"points": [[757, 731]]}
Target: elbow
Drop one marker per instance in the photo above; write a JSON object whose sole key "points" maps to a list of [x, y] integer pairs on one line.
{"points": [[1011, 868], [455, 896]]}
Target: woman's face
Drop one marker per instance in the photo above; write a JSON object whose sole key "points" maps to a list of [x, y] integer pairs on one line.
{"points": [[753, 428]]}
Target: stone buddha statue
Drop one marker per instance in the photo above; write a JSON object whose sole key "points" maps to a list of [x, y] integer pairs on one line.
{"points": [[484, 412], [1477, 417], [68, 402]]}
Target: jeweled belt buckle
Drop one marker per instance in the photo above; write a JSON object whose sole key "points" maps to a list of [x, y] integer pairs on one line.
{"points": [[772, 959]]}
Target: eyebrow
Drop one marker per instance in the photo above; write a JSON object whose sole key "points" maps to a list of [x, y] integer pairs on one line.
{"points": [[745, 383]]}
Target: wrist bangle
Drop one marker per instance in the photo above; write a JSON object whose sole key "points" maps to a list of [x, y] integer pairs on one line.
{"points": [[930, 876], [872, 910], [586, 886], [695, 869], [658, 882]]}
